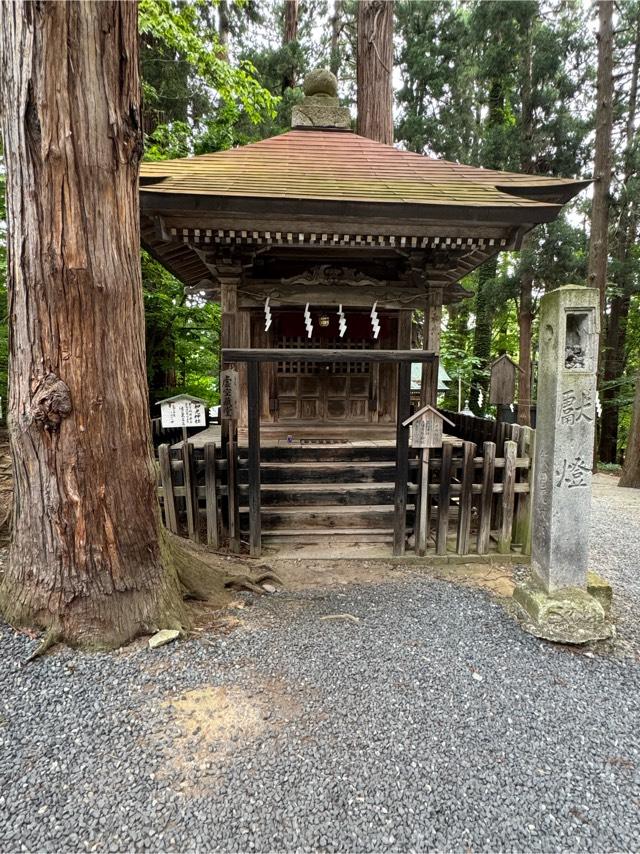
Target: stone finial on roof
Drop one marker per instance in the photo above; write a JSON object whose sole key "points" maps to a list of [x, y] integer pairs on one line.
{"points": [[320, 107]]}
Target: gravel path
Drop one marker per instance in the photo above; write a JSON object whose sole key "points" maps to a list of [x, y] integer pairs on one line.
{"points": [[431, 723]]}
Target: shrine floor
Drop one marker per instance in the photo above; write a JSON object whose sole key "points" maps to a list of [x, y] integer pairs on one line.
{"points": [[393, 711]]}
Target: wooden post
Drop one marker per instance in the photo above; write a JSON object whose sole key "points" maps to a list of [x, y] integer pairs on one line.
{"points": [[232, 487], [508, 492], [168, 498], [486, 497], [444, 499], [402, 458], [431, 341], [525, 504], [211, 496], [466, 499], [253, 400], [428, 394], [422, 505], [191, 498]]}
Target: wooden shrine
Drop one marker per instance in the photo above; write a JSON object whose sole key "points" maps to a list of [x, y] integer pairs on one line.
{"points": [[321, 240]]}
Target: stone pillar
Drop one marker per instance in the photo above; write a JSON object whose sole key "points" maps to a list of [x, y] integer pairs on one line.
{"points": [[556, 598]]}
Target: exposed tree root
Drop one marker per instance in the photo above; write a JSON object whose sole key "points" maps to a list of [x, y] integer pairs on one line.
{"points": [[202, 580], [251, 582], [52, 636]]}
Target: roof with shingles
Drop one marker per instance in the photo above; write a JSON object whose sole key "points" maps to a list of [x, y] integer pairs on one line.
{"points": [[338, 165]]}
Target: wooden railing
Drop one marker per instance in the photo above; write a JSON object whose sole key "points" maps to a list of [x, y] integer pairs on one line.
{"points": [[479, 494]]}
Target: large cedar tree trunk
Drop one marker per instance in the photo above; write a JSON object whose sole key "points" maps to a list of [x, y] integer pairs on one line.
{"points": [[614, 350], [87, 557], [525, 307], [290, 34], [598, 243], [374, 69], [631, 470]]}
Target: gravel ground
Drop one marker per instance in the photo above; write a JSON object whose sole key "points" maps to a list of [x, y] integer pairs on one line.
{"points": [[433, 722]]}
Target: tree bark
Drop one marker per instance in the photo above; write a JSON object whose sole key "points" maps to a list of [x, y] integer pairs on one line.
{"points": [[290, 34], [631, 470], [374, 69], [525, 320], [224, 26], [336, 29], [482, 338], [525, 308], [598, 243], [614, 349], [87, 559]]}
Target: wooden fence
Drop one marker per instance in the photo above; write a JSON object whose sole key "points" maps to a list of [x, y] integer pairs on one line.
{"points": [[478, 493]]}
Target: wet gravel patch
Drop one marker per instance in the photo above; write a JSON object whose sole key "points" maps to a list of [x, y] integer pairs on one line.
{"points": [[432, 722]]}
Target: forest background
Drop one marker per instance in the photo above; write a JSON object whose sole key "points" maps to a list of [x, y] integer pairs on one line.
{"points": [[507, 85]]}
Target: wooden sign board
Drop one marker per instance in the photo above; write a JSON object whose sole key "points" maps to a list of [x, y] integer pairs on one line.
{"points": [[183, 412], [229, 395], [503, 381], [426, 431]]}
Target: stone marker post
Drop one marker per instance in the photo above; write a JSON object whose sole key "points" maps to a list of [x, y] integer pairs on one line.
{"points": [[556, 597]]}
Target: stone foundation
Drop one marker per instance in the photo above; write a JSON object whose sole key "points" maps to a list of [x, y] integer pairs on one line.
{"points": [[569, 615]]}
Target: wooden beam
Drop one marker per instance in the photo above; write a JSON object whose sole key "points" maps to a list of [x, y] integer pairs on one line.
{"points": [[321, 355]]}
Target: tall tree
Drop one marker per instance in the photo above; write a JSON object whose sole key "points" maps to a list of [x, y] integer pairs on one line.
{"points": [[623, 263], [290, 35], [374, 69], [86, 558], [631, 470], [598, 242]]}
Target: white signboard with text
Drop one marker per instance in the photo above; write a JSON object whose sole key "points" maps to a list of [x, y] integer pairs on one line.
{"points": [[183, 412]]}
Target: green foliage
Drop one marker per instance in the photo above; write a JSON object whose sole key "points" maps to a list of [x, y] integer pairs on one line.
{"points": [[186, 31], [182, 337]]}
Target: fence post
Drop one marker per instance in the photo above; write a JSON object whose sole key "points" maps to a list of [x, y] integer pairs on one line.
{"points": [[253, 406], [466, 499], [232, 488], [422, 521], [522, 528], [402, 459], [168, 498], [486, 496], [508, 492], [191, 498], [211, 495], [444, 498]]}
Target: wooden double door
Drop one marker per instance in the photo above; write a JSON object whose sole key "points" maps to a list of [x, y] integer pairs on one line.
{"points": [[317, 392]]}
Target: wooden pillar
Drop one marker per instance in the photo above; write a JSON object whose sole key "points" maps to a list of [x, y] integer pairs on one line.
{"points": [[428, 394], [229, 307], [431, 341]]}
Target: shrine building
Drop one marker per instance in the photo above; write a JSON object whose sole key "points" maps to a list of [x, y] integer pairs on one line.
{"points": [[319, 244]]}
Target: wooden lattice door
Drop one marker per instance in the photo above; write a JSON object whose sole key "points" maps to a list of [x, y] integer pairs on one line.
{"points": [[317, 391]]}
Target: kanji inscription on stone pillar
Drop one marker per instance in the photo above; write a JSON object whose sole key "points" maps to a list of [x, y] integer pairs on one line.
{"points": [[565, 423]]}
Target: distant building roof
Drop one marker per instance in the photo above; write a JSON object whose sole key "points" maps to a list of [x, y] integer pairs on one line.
{"points": [[416, 377], [182, 397]]}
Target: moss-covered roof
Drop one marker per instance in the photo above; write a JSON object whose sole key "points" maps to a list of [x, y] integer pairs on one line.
{"points": [[335, 165]]}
